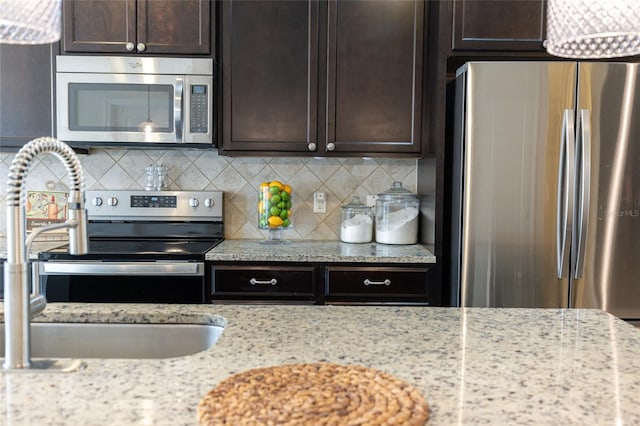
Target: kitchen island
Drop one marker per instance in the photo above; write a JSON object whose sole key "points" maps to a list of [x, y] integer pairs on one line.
{"points": [[473, 366]]}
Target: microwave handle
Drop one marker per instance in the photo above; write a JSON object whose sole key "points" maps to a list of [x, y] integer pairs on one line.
{"points": [[177, 107]]}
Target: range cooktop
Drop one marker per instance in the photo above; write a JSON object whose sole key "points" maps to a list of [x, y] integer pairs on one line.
{"points": [[136, 250]]}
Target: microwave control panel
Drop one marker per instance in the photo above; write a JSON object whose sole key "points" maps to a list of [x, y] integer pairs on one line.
{"points": [[199, 122]]}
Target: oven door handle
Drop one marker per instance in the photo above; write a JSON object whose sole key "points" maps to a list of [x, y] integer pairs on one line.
{"points": [[122, 268]]}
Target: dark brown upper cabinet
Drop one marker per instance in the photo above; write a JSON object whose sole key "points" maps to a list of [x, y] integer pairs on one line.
{"points": [[26, 106], [269, 75], [499, 25], [326, 78], [181, 27], [374, 76]]}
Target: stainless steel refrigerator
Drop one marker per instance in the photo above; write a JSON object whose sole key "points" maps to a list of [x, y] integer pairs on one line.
{"points": [[546, 186]]}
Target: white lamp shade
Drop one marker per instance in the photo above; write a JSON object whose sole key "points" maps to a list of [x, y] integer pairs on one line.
{"points": [[29, 21], [593, 28]]}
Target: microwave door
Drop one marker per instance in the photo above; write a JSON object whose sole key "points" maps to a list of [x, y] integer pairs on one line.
{"points": [[119, 108]]}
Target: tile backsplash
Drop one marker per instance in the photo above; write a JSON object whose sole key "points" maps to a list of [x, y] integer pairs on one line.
{"points": [[237, 177]]}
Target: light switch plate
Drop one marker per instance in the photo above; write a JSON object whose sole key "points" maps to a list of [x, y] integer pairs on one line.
{"points": [[319, 202]]}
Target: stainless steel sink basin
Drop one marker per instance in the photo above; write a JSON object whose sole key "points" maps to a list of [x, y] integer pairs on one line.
{"points": [[106, 340]]}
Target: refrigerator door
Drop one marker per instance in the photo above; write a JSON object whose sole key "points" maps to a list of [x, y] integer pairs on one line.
{"points": [[510, 216], [608, 258]]}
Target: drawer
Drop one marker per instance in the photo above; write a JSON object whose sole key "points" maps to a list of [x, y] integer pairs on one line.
{"points": [[241, 280], [394, 282]]}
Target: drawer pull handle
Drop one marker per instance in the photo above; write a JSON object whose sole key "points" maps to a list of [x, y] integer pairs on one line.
{"points": [[368, 282], [272, 281]]}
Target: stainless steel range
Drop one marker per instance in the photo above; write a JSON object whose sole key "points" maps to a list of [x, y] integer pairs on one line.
{"points": [[144, 247]]}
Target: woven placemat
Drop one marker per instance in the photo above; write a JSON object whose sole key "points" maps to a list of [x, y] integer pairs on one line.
{"points": [[313, 394]]}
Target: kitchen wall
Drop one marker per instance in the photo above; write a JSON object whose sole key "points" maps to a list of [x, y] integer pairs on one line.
{"points": [[239, 178]]}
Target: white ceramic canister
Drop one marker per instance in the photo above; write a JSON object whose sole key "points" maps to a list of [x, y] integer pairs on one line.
{"points": [[397, 216]]}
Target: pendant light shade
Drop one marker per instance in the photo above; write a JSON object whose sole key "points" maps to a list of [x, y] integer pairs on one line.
{"points": [[29, 21], [586, 29]]}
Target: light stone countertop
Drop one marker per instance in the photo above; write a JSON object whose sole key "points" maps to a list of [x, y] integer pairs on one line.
{"points": [[473, 366], [319, 251], [294, 251]]}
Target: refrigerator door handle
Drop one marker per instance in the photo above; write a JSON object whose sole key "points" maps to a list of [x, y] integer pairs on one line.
{"points": [[564, 207], [583, 189]]}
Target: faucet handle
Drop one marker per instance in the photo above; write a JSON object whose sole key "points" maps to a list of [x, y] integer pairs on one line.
{"points": [[37, 301]]}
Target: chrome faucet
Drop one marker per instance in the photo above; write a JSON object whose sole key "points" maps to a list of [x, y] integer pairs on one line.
{"points": [[22, 300]]}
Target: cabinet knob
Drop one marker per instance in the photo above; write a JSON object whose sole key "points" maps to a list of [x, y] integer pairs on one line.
{"points": [[141, 47], [129, 46], [331, 146], [311, 146]]}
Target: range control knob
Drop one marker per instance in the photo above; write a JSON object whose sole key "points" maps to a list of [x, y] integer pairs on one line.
{"points": [[208, 202], [97, 201], [112, 201], [194, 202]]}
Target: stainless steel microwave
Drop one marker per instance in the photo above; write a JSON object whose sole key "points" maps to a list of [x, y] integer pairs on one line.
{"points": [[112, 100]]}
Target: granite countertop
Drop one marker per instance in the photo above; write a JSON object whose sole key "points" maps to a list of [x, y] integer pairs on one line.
{"points": [[473, 365], [319, 251], [295, 251]]}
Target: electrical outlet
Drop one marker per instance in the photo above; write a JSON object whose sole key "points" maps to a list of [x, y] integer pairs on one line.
{"points": [[371, 200], [319, 202]]}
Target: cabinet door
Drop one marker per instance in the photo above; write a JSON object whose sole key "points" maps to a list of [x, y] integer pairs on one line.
{"points": [[269, 75], [175, 26], [374, 92], [142, 26], [25, 93], [100, 26], [509, 25]]}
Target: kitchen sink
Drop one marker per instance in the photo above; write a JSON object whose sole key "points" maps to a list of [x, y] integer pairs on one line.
{"points": [[109, 340]]}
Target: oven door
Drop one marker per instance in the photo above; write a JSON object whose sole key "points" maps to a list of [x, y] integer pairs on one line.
{"points": [[123, 282]]}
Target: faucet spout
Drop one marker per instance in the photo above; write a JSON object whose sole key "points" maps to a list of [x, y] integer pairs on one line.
{"points": [[19, 303]]}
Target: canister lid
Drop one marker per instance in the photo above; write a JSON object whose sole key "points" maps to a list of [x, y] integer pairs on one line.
{"points": [[356, 204], [397, 191]]}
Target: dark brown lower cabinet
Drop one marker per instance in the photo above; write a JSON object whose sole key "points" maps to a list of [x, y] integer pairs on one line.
{"points": [[375, 284], [263, 283], [317, 283]]}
